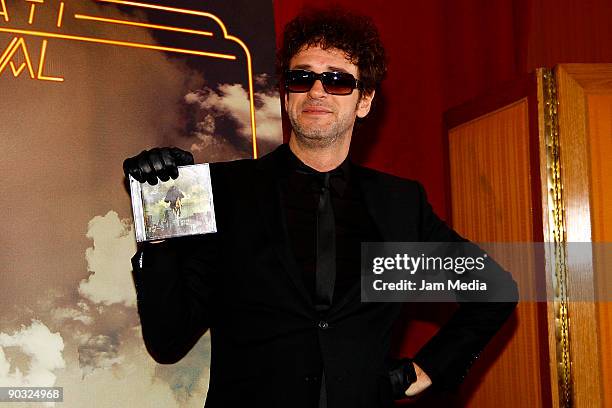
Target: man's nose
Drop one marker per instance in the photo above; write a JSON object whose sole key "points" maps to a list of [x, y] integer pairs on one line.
{"points": [[317, 90]]}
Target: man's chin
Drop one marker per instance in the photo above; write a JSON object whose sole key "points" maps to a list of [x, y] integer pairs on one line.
{"points": [[315, 139]]}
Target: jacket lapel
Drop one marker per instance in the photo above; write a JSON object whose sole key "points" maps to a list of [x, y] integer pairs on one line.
{"points": [[384, 216], [383, 204], [274, 219]]}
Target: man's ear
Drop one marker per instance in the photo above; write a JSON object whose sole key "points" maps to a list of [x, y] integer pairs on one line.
{"points": [[365, 104], [286, 98]]}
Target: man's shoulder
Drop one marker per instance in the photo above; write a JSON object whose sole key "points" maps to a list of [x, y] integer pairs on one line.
{"points": [[388, 180], [267, 161], [233, 167], [245, 174]]}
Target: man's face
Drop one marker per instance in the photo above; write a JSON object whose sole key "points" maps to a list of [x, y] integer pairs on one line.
{"points": [[319, 119]]}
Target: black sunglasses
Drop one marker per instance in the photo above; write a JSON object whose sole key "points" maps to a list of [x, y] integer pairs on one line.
{"points": [[334, 83]]}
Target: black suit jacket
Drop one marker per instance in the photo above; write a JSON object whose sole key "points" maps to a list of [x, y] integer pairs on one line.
{"points": [[269, 345]]}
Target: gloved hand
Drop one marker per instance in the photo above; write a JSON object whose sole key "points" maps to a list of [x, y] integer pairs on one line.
{"points": [[160, 162], [402, 374]]}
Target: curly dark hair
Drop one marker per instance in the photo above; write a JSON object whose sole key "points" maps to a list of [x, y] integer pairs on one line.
{"points": [[335, 27]]}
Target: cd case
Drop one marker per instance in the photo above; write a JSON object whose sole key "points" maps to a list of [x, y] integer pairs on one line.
{"points": [[174, 208]]}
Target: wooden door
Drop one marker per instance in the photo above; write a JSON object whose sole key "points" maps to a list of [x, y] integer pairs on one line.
{"points": [[585, 151], [493, 151], [531, 163]]}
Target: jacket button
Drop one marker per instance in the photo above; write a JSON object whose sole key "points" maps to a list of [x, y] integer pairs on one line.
{"points": [[323, 325]]}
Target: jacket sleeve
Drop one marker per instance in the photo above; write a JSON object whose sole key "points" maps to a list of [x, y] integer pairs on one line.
{"points": [[448, 355], [174, 285]]}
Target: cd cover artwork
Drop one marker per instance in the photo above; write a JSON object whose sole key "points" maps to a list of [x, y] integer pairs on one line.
{"points": [[174, 208]]}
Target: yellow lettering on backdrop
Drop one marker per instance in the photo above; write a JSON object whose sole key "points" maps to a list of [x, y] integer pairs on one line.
{"points": [[41, 64], [10, 51], [7, 50], [33, 9], [16, 71], [60, 15], [4, 11]]}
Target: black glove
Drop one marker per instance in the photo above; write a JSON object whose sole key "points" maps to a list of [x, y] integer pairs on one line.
{"points": [[156, 163], [401, 376]]}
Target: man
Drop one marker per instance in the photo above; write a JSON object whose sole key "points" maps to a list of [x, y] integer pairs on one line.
{"points": [[279, 283], [174, 197]]}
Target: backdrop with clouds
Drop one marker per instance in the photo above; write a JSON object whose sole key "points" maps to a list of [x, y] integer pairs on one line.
{"points": [[67, 300]]}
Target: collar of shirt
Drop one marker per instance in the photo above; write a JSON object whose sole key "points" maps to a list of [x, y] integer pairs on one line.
{"points": [[339, 177]]}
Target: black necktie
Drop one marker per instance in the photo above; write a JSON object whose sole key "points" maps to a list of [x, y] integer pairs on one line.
{"points": [[325, 275]]}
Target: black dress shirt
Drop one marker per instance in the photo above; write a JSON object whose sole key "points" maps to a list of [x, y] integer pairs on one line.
{"points": [[300, 189]]}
